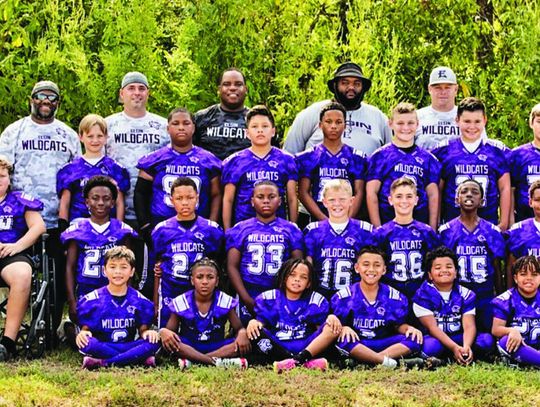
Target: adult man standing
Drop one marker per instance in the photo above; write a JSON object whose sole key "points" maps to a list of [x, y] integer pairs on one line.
{"points": [[366, 126], [132, 133], [38, 146], [437, 122], [221, 128]]}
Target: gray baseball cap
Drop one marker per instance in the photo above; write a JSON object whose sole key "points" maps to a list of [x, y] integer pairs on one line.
{"points": [[134, 77], [442, 74], [45, 85]]}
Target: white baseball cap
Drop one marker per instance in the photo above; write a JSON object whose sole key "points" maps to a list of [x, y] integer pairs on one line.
{"points": [[442, 74]]}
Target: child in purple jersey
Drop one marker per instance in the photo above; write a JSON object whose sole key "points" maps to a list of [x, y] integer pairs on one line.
{"points": [[332, 245], [523, 238], [111, 316], [447, 311], [292, 321], [159, 169], [257, 247], [525, 168], [373, 316], [87, 241], [72, 177], [480, 247], [516, 314], [261, 161], [403, 158], [201, 315], [20, 227], [329, 160], [179, 242], [404, 240], [472, 156]]}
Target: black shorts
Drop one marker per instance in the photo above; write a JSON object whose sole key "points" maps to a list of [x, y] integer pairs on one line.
{"points": [[6, 261]]}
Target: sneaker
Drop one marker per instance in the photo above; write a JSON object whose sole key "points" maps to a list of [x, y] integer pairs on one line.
{"points": [[150, 361], [317, 364], [90, 363], [433, 363], [412, 363], [389, 363], [184, 364], [234, 363], [283, 365]]}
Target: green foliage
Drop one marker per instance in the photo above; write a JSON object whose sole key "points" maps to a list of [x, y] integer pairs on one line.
{"points": [[287, 49]]}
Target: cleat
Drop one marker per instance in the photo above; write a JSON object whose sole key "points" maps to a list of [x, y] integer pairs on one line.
{"points": [[317, 364], [90, 363], [184, 364], [285, 364], [150, 361], [433, 363], [4, 354], [234, 363], [412, 363]]}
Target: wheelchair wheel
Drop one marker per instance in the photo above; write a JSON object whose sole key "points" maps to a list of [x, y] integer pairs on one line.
{"points": [[30, 346]]}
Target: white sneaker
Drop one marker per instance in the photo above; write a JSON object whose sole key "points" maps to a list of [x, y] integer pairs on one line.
{"points": [[234, 363]]}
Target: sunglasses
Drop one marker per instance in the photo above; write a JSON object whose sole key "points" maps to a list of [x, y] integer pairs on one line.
{"points": [[42, 96]]}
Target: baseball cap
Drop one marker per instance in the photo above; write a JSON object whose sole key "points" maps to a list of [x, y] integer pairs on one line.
{"points": [[45, 85], [442, 74], [134, 77], [349, 69]]}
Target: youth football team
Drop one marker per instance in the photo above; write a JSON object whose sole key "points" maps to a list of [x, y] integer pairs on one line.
{"points": [[402, 263]]}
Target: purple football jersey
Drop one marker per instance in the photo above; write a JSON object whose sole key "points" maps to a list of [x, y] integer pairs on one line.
{"points": [[519, 313], [406, 247], [74, 176], [477, 251], [110, 321], [167, 164], [92, 245], [448, 314], [370, 321], [291, 319], [523, 239], [198, 328], [389, 163], [524, 170], [334, 254], [178, 248], [486, 165], [320, 166], [264, 247], [244, 169], [12, 209]]}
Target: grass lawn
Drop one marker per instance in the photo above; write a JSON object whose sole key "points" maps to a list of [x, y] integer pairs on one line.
{"points": [[59, 381]]}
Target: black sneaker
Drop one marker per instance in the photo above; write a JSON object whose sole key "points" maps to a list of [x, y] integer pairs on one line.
{"points": [[412, 363], [433, 363]]}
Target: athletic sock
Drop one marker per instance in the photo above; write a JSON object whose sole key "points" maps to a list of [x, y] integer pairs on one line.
{"points": [[303, 357]]}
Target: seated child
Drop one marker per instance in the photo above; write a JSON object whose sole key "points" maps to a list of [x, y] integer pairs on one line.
{"points": [[21, 226], [373, 315], [480, 247], [112, 315], [446, 310], [329, 160], [72, 177], [179, 242], [261, 161], [522, 238], [516, 314], [525, 168], [291, 325], [257, 247], [402, 158], [88, 239], [195, 331], [404, 239], [332, 245]]}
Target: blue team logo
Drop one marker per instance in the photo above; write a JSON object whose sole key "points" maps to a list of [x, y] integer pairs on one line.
{"points": [[264, 345], [419, 160], [350, 241], [131, 309], [273, 164], [344, 161], [104, 171], [112, 239], [199, 235], [60, 132], [415, 232], [194, 160], [442, 74], [277, 229], [481, 238], [8, 209], [482, 157], [153, 124], [381, 310], [455, 308]]}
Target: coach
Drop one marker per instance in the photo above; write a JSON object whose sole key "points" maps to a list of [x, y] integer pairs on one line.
{"points": [[366, 126]]}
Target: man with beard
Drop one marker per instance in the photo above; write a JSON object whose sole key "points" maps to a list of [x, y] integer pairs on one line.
{"points": [[38, 146], [366, 126], [221, 128]]}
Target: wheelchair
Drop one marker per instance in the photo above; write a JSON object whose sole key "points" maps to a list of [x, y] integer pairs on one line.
{"points": [[35, 335]]}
